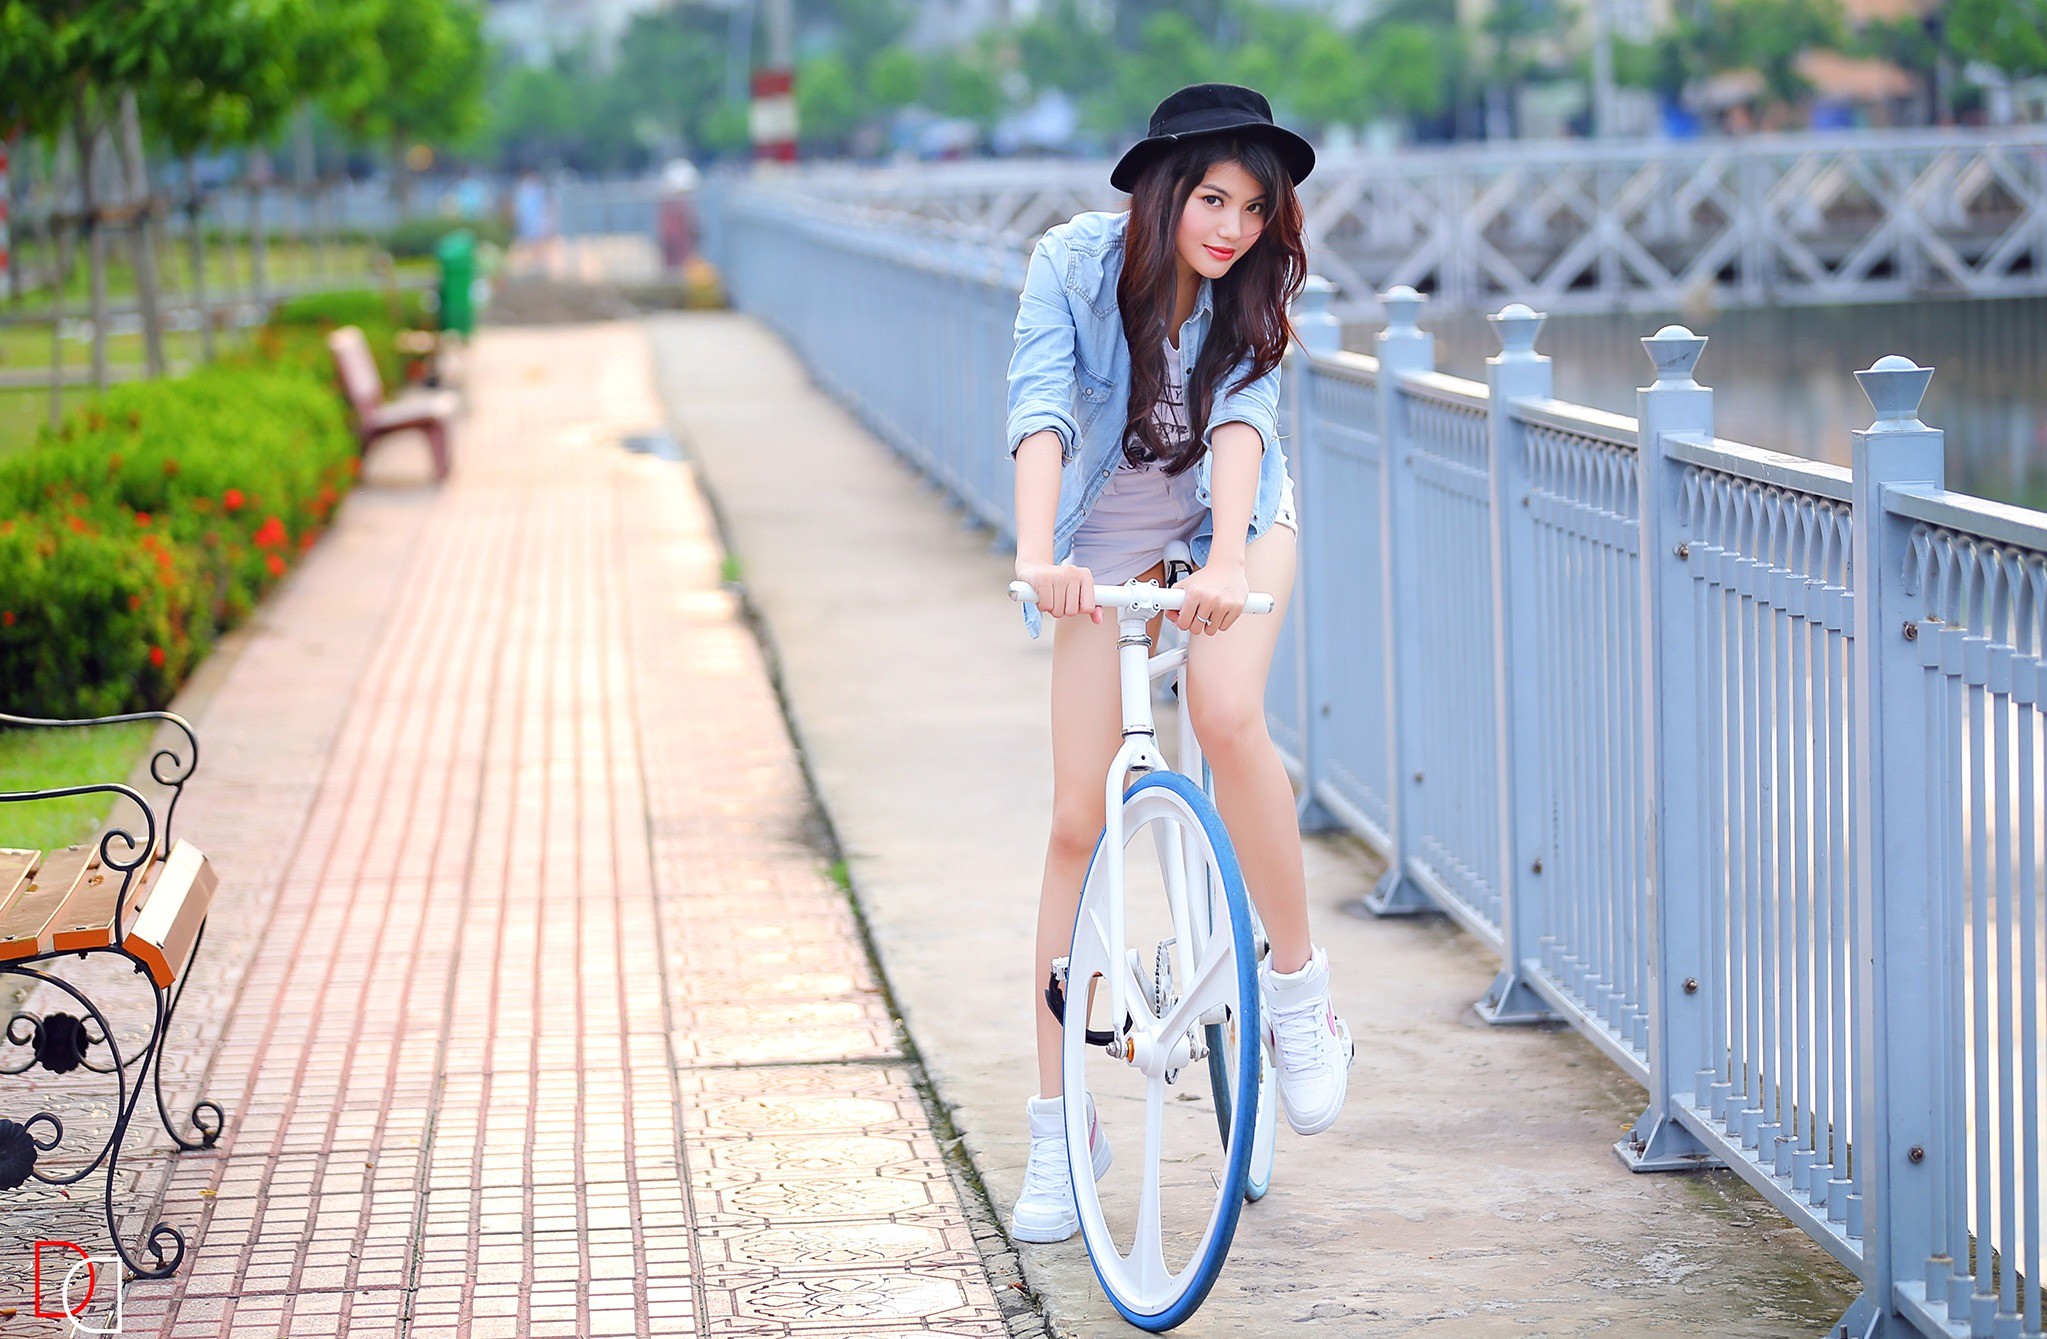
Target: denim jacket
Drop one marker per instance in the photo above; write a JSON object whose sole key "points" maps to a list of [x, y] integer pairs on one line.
{"points": [[1070, 372]]}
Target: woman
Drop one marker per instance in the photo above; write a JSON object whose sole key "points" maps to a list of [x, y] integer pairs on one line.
{"points": [[1143, 406]]}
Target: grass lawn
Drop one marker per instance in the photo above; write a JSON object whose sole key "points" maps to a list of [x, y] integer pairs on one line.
{"points": [[229, 268], [25, 343], [44, 759]]}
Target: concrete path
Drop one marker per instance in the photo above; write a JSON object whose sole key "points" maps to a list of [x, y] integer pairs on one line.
{"points": [[1469, 1189], [530, 997]]}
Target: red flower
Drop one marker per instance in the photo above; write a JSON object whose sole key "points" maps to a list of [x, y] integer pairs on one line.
{"points": [[275, 564], [142, 518], [134, 602], [271, 534], [232, 499], [77, 523], [156, 656], [6, 618], [306, 540]]}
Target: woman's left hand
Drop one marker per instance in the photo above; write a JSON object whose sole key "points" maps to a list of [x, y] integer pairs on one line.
{"points": [[1215, 599]]}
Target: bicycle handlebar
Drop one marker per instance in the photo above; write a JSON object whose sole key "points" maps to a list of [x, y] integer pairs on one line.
{"points": [[1122, 597]]}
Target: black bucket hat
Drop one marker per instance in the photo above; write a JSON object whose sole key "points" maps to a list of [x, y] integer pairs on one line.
{"points": [[1201, 111]]}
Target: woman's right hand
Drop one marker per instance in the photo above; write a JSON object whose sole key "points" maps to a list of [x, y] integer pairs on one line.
{"points": [[1063, 589]]}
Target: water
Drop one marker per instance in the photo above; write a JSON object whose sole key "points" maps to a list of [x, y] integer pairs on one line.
{"points": [[1783, 377]]}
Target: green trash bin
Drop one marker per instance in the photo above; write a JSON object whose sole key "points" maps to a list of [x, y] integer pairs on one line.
{"points": [[456, 254]]}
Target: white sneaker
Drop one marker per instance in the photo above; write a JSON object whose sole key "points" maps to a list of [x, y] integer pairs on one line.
{"points": [[1312, 1044], [1045, 1211]]}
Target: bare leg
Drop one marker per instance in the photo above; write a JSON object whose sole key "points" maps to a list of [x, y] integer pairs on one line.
{"points": [[1226, 696], [1087, 729]]}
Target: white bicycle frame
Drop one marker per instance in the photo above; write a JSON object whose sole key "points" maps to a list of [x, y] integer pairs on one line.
{"points": [[1135, 605]]}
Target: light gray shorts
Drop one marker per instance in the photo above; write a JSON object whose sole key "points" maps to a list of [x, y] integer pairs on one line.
{"points": [[1139, 513]]}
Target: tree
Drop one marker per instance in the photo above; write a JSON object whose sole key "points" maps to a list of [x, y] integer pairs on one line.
{"points": [[963, 84], [236, 93], [658, 97], [857, 30], [895, 78], [1328, 84], [425, 81], [1063, 47], [1405, 68], [1767, 36], [1171, 53], [829, 106], [90, 62], [2007, 35]]}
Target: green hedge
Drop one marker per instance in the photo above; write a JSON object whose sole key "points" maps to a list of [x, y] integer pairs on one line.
{"points": [[154, 518], [417, 237]]}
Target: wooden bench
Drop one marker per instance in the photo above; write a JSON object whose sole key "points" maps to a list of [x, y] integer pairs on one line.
{"points": [[66, 901], [431, 411], [137, 892]]}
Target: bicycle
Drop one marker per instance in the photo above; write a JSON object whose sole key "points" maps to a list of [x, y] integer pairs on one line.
{"points": [[1177, 984]]}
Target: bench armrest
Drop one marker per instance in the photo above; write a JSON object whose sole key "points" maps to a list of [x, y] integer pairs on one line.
{"points": [[119, 849], [170, 767]]}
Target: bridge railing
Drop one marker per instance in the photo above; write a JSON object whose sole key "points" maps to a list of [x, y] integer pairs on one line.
{"points": [[1737, 759], [1859, 216]]}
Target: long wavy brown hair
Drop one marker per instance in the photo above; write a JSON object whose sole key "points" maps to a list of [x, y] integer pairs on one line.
{"points": [[1250, 301]]}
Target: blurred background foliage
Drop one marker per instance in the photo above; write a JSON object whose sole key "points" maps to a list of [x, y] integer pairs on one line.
{"points": [[398, 85], [869, 77]]}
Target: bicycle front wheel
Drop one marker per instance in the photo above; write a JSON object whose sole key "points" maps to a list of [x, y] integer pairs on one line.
{"points": [[1158, 1226]]}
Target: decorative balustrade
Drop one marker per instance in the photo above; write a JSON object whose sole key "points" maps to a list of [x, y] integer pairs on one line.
{"points": [[1737, 759]]}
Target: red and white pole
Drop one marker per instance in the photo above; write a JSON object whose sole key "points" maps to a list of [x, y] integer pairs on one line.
{"points": [[772, 117]]}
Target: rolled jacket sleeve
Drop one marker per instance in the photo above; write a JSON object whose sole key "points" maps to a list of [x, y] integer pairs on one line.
{"points": [[1041, 366], [1256, 404]]}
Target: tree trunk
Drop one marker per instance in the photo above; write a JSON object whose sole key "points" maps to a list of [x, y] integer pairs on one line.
{"points": [[58, 238], [303, 169], [142, 235], [259, 250], [195, 247], [401, 175], [96, 236], [18, 254]]}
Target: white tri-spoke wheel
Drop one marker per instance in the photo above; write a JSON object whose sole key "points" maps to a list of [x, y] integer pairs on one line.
{"points": [[1159, 1224]]}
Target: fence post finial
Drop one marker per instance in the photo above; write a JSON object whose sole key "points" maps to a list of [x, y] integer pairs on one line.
{"points": [[1403, 309], [1675, 351], [1895, 385], [1517, 324], [1318, 327]]}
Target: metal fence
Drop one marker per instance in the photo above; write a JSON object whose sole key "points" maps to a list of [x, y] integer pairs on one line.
{"points": [[1735, 758]]}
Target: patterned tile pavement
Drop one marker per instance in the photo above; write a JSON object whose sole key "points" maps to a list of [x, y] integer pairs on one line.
{"points": [[531, 1000]]}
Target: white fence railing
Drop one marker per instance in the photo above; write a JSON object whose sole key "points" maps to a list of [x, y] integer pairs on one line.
{"points": [[1738, 760]]}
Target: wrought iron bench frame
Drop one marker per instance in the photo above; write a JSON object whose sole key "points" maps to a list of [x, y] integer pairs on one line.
{"points": [[61, 1048]]}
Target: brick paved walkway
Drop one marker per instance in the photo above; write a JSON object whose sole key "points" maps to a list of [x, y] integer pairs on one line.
{"points": [[532, 1003]]}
